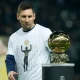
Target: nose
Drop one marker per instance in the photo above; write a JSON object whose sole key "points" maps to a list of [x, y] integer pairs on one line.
{"points": [[27, 20]]}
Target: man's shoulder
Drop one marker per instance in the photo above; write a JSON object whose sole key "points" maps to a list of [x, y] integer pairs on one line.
{"points": [[15, 33], [42, 27]]}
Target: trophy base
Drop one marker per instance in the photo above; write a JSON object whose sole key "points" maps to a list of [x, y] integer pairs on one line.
{"points": [[58, 71]]}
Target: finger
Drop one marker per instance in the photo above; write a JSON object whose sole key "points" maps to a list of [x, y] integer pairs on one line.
{"points": [[15, 73], [9, 77], [12, 77]]}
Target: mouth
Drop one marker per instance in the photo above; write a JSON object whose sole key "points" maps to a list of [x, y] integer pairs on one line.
{"points": [[26, 23]]}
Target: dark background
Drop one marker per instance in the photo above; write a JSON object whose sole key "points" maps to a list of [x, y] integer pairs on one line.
{"points": [[55, 14]]}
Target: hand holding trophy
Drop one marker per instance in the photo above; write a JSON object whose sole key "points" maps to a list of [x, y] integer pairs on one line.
{"points": [[59, 42]]}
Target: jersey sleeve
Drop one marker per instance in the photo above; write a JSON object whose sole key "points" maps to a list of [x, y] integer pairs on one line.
{"points": [[10, 59], [10, 47], [46, 33]]}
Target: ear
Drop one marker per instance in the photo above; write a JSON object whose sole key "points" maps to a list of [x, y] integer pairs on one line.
{"points": [[34, 16], [17, 16]]}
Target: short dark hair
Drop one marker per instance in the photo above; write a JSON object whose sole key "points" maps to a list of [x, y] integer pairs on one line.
{"points": [[25, 5]]}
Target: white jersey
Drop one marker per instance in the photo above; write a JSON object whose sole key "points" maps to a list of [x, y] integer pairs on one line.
{"points": [[30, 51]]}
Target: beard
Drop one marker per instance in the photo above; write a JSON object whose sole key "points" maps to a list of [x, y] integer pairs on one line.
{"points": [[26, 27]]}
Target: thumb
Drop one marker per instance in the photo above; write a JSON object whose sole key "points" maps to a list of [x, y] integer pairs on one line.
{"points": [[15, 73]]}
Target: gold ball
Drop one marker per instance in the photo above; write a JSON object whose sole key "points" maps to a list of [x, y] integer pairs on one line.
{"points": [[59, 41]]}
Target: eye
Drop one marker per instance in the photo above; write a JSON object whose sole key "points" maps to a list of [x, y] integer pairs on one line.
{"points": [[23, 16], [30, 16]]}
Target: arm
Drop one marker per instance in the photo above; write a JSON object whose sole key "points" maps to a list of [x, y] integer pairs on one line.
{"points": [[10, 65], [10, 61]]}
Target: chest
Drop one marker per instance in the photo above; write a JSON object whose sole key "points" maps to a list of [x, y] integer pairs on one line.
{"points": [[30, 42], [31, 46]]}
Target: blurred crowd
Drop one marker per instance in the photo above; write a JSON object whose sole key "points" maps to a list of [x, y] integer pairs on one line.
{"points": [[55, 14]]}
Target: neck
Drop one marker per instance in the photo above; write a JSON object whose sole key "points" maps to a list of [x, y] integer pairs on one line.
{"points": [[26, 30], [32, 26]]}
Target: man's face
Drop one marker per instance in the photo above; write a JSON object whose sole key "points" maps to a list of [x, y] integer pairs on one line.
{"points": [[26, 18]]}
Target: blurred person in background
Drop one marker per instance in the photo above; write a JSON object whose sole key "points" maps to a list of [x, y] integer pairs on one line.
{"points": [[26, 47], [3, 51], [3, 48]]}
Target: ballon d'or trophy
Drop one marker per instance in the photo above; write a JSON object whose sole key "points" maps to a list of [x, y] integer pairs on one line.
{"points": [[59, 42], [58, 68]]}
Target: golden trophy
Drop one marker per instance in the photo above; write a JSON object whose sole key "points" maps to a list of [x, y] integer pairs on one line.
{"points": [[59, 68], [59, 42]]}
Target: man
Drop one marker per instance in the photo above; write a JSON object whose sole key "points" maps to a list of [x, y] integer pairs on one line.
{"points": [[26, 47]]}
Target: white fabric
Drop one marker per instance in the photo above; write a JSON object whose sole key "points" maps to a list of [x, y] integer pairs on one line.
{"points": [[38, 54]]}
